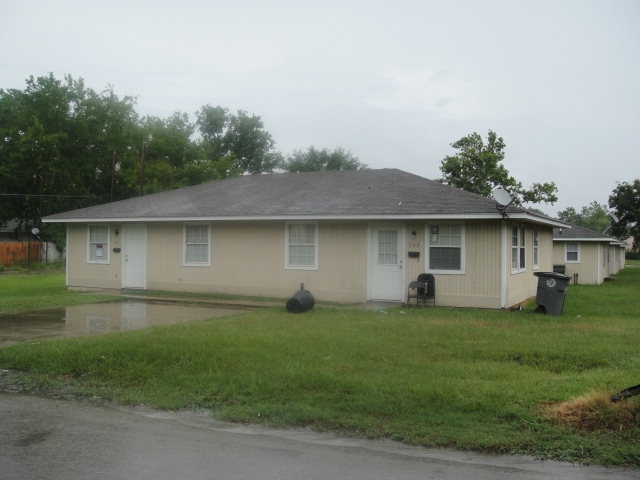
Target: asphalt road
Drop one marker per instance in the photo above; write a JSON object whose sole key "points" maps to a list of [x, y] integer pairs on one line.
{"points": [[43, 438]]}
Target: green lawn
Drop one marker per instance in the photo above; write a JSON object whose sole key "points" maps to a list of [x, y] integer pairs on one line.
{"points": [[21, 292], [462, 378]]}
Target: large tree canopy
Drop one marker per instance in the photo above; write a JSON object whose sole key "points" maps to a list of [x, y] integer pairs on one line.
{"points": [[167, 154], [594, 216], [60, 147], [477, 167], [314, 159], [235, 143], [66, 146], [625, 200]]}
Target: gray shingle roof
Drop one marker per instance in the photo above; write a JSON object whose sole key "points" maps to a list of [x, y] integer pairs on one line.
{"points": [[580, 233], [326, 194]]}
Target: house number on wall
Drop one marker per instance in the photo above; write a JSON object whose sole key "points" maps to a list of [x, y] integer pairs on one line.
{"points": [[414, 245]]}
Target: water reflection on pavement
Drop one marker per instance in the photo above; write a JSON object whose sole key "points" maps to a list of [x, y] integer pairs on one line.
{"points": [[99, 318]]}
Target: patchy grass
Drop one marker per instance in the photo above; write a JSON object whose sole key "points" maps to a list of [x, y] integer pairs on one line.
{"points": [[490, 381]]}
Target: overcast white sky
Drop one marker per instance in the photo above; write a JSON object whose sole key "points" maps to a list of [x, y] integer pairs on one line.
{"points": [[394, 82]]}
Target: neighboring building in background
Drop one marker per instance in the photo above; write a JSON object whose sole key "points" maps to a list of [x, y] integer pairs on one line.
{"points": [[18, 245], [586, 255]]}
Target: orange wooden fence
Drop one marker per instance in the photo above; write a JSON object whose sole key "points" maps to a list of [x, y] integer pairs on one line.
{"points": [[19, 252]]}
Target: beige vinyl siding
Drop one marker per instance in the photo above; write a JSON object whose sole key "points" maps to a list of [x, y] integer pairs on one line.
{"points": [[559, 253], [248, 259], [415, 266], [83, 274], [522, 286], [545, 238], [617, 258], [607, 260], [479, 286], [592, 267]]}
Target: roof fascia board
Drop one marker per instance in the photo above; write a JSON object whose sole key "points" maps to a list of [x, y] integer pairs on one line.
{"points": [[578, 239], [534, 219], [254, 218]]}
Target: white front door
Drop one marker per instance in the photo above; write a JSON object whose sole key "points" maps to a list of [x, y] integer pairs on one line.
{"points": [[386, 257], [134, 256]]}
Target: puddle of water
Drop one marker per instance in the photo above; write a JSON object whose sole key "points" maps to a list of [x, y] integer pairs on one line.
{"points": [[99, 318]]}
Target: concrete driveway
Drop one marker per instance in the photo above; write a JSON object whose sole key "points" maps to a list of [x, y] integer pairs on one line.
{"points": [[44, 438]]}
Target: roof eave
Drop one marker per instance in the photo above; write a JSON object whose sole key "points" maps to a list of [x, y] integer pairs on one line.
{"points": [[302, 217], [582, 239], [540, 220]]}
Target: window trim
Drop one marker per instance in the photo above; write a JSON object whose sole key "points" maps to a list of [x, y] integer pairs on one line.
{"points": [[186, 263], [566, 252], [107, 257], [287, 264], [521, 250], [427, 243]]}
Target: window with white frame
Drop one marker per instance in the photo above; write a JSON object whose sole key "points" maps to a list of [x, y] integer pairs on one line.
{"points": [[518, 254], [446, 248], [98, 244], [197, 245], [572, 250], [301, 246], [536, 250]]}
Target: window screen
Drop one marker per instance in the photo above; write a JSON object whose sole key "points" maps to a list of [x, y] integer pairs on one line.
{"points": [[301, 245], [196, 250], [99, 243], [445, 247]]}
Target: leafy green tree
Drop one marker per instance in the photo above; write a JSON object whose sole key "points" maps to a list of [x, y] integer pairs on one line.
{"points": [[212, 123], [60, 148], [594, 216], [166, 150], [235, 143], [477, 167], [65, 146], [314, 159], [625, 200], [107, 128], [34, 130], [253, 147]]}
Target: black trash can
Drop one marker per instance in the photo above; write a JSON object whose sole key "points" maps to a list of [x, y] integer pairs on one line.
{"points": [[552, 288], [301, 301]]}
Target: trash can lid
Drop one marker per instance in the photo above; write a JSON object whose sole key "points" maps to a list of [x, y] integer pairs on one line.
{"points": [[560, 276]]}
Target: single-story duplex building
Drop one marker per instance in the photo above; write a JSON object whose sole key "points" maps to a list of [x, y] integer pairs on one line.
{"points": [[349, 236], [586, 255]]}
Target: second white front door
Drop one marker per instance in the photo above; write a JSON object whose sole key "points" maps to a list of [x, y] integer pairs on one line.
{"points": [[386, 262], [134, 256]]}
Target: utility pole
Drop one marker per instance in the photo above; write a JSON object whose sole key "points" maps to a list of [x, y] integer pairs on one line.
{"points": [[113, 174], [145, 145]]}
